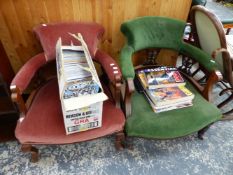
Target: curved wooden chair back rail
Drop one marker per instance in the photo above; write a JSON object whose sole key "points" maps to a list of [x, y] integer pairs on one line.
{"points": [[209, 35]]}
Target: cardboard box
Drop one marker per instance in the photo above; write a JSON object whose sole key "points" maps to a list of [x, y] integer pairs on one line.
{"points": [[80, 90], [83, 119]]}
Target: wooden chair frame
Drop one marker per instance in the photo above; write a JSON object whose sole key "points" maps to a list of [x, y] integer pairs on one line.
{"points": [[227, 58]]}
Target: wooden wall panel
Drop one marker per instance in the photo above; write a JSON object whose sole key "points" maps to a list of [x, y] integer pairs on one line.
{"points": [[18, 17]]}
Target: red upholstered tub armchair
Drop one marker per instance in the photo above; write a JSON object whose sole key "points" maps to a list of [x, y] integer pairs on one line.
{"points": [[41, 120]]}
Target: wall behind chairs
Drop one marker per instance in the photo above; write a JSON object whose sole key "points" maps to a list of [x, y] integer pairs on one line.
{"points": [[18, 17], [6, 70]]}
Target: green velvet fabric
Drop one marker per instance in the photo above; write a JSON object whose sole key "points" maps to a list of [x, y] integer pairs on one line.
{"points": [[170, 124], [126, 63], [201, 57], [157, 32], [153, 32], [161, 32]]}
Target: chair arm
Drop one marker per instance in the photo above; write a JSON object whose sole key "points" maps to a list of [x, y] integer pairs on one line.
{"points": [[129, 89], [109, 65], [113, 72], [18, 99], [26, 73], [126, 62], [220, 50], [207, 63], [128, 74], [198, 55], [227, 63], [213, 78]]}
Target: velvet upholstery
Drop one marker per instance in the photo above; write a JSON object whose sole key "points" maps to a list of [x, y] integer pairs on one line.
{"points": [[157, 32], [48, 35], [203, 58], [170, 124], [109, 64], [146, 32], [44, 121], [162, 32], [28, 71]]}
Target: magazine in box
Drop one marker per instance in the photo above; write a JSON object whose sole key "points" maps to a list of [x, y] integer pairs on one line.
{"points": [[80, 90]]}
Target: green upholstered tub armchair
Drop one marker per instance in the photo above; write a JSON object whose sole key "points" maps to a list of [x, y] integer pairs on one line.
{"points": [[161, 32]]}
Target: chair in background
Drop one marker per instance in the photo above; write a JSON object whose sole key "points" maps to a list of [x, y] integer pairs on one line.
{"points": [[187, 31], [223, 13], [41, 120], [209, 35], [165, 33]]}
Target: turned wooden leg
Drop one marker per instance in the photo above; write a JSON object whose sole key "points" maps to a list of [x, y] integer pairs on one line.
{"points": [[33, 150], [128, 143], [202, 132], [120, 139]]}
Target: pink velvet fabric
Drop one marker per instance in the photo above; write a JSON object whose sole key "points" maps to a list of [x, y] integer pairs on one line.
{"points": [[48, 34], [109, 64], [27, 72], [43, 124]]}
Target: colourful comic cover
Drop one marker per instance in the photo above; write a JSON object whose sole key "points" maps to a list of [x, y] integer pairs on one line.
{"points": [[169, 95], [160, 77]]}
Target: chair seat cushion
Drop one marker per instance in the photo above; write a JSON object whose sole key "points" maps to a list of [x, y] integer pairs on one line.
{"points": [[43, 123], [170, 124]]}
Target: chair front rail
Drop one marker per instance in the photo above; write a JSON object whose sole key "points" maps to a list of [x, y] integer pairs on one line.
{"points": [[113, 86], [205, 88], [213, 78], [117, 93]]}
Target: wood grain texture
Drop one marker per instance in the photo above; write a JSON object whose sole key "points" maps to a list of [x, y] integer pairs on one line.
{"points": [[18, 17]]}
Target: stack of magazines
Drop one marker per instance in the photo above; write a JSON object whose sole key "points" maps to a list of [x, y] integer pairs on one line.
{"points": [[164, 88], [79, 78]]}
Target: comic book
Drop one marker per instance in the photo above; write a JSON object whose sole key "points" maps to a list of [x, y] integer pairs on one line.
{"points": [[159, 77], [163, 108], [169, 95]]}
